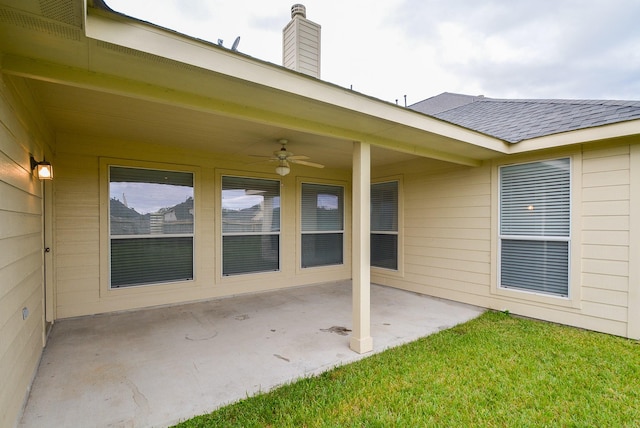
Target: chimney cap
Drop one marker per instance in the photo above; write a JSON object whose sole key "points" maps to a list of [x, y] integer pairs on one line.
{"points": [[298, 9]]}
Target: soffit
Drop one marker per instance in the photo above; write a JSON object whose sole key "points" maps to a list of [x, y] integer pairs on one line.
{"points": [[72, 110]]}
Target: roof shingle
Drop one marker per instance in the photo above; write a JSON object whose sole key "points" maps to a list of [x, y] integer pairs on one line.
{"points": [[520, 119]]}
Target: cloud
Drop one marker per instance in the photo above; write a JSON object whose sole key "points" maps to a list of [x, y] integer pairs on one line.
{"points": [[419, 48], [530, 48], [194, 10]]}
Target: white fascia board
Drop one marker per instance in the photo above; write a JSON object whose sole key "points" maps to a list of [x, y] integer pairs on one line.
{"points": [[580, 136]]}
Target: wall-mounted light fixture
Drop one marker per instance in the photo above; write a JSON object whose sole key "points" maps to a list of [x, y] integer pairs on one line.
{"points": [[283, 168], [44, 170]]}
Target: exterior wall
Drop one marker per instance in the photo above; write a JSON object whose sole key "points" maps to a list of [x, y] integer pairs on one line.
{"points": [[81, 256], [450, 239], [21, 243], [605, 236], [447, 242], [633, 312]]}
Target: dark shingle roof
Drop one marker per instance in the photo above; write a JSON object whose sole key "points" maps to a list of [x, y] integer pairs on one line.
{"points": [[517, 120]]}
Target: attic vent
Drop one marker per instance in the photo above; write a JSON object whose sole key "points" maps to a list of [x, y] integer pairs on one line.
{"points": [[67, 11], [46, 26]]}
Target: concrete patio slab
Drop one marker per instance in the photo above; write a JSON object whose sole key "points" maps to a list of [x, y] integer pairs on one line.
{"points": [[156, 367]]}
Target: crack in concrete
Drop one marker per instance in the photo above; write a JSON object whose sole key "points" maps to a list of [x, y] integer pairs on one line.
{"points": [[282, 358], [204, 337], [142, 404]]}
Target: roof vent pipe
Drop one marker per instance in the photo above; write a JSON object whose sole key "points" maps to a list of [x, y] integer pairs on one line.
{"points": [[298, 9]]}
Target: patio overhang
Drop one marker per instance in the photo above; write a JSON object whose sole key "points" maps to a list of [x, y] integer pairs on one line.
{"points": [[116, 68], [116, 78]]}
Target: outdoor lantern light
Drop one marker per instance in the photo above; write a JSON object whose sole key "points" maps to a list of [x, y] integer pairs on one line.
{"points": [[283, 168], [44, 170]]}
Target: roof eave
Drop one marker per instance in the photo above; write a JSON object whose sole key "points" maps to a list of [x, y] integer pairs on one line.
{"points": [[138, 35], [581, 136]]}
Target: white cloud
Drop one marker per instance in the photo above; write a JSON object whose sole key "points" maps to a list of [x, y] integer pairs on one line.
{"points": [[419, 48]]}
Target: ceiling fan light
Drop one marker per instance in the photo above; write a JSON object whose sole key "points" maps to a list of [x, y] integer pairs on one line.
{"points": [[282, 170]]}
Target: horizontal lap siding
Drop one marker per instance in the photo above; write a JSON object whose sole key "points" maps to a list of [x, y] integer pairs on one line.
{"points": [[605, 234], [21, 268], [447, 239], [81, 258], [77, 233]]}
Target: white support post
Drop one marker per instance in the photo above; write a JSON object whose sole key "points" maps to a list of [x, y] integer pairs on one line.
{"points": [[361, 341]]}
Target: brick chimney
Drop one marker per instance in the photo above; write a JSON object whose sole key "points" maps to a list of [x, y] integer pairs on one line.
{"points": [[301, 43]]}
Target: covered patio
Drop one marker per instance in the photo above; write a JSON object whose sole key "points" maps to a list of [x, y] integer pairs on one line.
{"points": [[156, 367]]}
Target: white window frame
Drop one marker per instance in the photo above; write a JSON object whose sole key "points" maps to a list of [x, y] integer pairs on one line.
{"points": [[398, 226], [342, 231], [223, 234], [105, 239], [573, 298], [151, 236]]}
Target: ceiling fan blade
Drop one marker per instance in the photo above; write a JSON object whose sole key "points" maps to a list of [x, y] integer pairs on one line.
{"points": [[297, 157], [302, 162], [262, 159]]}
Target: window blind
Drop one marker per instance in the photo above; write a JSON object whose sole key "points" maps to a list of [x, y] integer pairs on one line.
{"points": [[540, 266], [322, 225], [535, 199], [384, 225], [535, 222], [145, 260]]}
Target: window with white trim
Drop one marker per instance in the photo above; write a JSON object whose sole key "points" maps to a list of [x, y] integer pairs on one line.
{"points": [[151, 218], [384, 225], [250, 225], [322, 225], [535, 227]]}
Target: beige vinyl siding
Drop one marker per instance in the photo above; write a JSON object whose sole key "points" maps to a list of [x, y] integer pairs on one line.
{"points": [[21, 240], [633, 314], [446, 234], [605, 240], [82, 252], [599, 261], [448, 247], [301, 46], [77, 230], [447, 218]]}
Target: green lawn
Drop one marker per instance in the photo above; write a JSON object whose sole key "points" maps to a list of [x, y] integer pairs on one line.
{"points": [[497, 370]]}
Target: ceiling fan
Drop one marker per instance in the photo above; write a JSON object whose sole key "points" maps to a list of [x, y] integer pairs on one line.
{"points": [[283, 157]]}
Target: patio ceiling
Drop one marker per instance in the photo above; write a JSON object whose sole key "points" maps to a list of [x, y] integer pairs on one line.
{"points": [[72, 110], [119, 78]]}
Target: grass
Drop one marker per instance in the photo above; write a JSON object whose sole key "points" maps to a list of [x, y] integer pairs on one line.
{"points": [[496, 370]]}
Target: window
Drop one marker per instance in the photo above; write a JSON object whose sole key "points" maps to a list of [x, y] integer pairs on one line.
{"points": [[384, 225], [535, 200], [150, 226], [250, 225], [322, 225]]}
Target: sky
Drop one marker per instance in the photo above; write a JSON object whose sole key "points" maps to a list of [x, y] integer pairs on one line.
{"points": [[389, 49]]}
